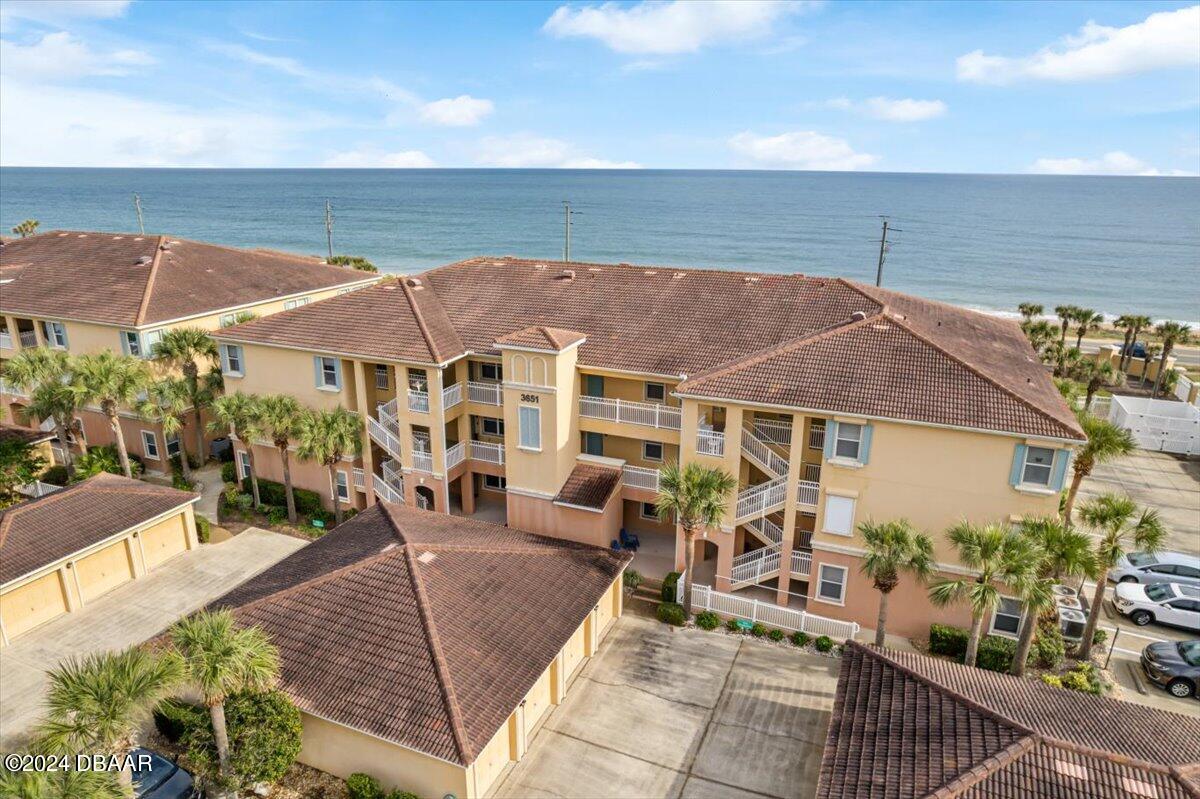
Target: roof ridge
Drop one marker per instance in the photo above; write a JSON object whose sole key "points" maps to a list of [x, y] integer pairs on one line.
{"points": [[420, 320], [159, 248], [900, 321], [445, 682], [509, 259], [982, 769]]}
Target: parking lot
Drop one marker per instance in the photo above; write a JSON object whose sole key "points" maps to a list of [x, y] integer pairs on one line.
{"points": [[1169, 483], [665, 712]]}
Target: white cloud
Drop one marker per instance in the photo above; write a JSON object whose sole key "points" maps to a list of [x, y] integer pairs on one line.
{"points": [[1162, 40], [372, 158], [240, 52], [801, 149], [891, 110], [664, 28], [524, 150], [1113, 163], [60, 55], [56, 12], [461, 111]]}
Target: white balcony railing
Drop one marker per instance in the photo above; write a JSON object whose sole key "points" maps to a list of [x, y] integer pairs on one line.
{"points": [[456, 455], [418, 401], [812, 472], [388, 412], [770, 614], [816, 435], [6, 340], [391, 486], [386, 492], [807, 493], [28, 338], [801, 563], [762, 455], [773, 431], [754, 566], [422, 461], [452, 395], [761, 499], [385, 435], [649, 414], [710, 442], [766, 529], [360, 479], [641, 477], [487, 452], [484, 393]]}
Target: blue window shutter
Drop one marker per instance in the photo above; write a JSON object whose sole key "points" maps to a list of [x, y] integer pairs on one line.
{"points": [[125, 347], [66, 342], [337, 372], [224, 356], [864, 446], [830, 438], [1061, 458], [317, 370], [1018, 464]]}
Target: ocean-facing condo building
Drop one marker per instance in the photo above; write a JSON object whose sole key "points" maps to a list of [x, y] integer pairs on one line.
{"points": [[547, 395], [87, 292]]}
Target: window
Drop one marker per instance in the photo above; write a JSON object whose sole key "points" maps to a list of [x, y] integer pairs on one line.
{"points": [[296, 303], [418, 380], [173, 446], [244, 462], [228, 319], [656, 392], [831, 584], [494, 482], [1188, 571], [56, 334], [530, 419], [150, 445], [1007, 618], [1039, 462], [490, 371], [381, 376], [492, 426], [150, 341], [649, 511], [593, 385], [231, 360], [329, 373], [343, 486], [593, 443], [652, 451], [849, 439], [131, 344], [839, 515]]}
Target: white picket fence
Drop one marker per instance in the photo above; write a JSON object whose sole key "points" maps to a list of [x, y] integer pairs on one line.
{"points": [[770, 614], [1159, 425]]}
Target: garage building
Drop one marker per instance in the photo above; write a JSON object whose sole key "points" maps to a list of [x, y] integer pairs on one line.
{"points": [[63, 550], [426, 649]]}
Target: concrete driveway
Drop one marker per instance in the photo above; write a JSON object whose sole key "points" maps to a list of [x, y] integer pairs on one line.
{"points": [[128, 615], [673, 713], [1155, 480]]}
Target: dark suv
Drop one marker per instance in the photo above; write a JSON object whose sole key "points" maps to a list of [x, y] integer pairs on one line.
{"points": [[1174, 665], [162, 780]]}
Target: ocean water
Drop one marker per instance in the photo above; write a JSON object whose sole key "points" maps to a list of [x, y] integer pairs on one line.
{"points": [[986, 241]]}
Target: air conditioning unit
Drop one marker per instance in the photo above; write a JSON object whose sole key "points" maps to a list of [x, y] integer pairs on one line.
{"points": [[1071, 622], [1071, 602], [1063, 591]]}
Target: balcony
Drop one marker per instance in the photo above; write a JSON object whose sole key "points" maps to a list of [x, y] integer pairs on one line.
{"points": [[360, 479], [456, 455], [488, 453], [710, 442], [452, 395], [418, 401], [6, 341], [484, 393], [816, 436], [648, 414], [28, 339], [801, 563], [640, 477], [773, 432], [422, 461]]}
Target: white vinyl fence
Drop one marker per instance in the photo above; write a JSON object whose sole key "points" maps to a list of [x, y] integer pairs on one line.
{"points": [[1160, 425], [770, 614]]}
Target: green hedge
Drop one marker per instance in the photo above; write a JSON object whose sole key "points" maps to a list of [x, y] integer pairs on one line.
{"points": [[308, 503], [670, 582], [707, 620], [174, 719], [995, 653], [672, 614], [823, 644], [799, 638], [203, 529], [229, 472], [363, 786], [264, 737]]}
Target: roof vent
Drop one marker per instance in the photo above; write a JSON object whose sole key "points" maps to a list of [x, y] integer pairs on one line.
{"points": [[414, 282], [857, 316], [425, 558], [144, 259], [749, 279], [651, 271], [678, 275], [539, 266], [566, 274], [1070, 769], [594, 269]]}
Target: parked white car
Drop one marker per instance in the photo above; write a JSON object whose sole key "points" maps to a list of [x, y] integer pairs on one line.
{"points": [[1165, 603], [1159, 567]]}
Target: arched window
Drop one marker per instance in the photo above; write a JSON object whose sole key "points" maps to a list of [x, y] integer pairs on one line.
{"points": [[520, 369], [537, 368]]}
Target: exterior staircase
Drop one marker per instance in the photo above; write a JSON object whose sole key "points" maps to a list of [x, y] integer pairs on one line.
{"points": [[385, 431]]}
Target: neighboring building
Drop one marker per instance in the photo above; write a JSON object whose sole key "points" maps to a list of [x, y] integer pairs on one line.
{"points": [[65, 549], [549, 394], [426, 649], [87, 292], [907, 726], [38, 440]]}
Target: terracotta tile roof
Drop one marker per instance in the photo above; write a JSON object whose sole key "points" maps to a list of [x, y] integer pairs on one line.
{"points": [[131, 279], [10, 432], [423, 628], [906, 725], [42, 531], [542, 338], [589, 486]]}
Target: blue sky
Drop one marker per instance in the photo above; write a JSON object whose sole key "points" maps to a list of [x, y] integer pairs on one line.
{"points": [[1109, 88]]}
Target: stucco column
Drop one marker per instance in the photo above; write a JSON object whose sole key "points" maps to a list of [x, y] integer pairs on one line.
{"points": [[795, 473], [466, 485], [724, 559], [619, 599], [67, 583], [558, 684], [368, 459], [11, 323], [516, 733]]}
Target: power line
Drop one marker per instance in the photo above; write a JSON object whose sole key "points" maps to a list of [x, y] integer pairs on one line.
{"points": [[567, 214], [884, 247]]}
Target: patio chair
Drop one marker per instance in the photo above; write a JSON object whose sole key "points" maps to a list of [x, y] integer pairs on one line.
{"points": [[616, 545], [629, 540]]}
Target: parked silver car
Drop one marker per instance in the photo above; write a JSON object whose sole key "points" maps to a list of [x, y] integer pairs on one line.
{"points": [[1157, 567]]}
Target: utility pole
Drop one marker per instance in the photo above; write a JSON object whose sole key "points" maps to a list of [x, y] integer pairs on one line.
{"points": [[567, 231], [329, 228], [884, 246], [137, 207]]}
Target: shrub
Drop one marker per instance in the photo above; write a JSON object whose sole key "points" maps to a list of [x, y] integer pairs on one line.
{"points": [[229, 472], [55, 475], [732, 626], [947, 640], [776, 635], [203, 529], [1084, 677], [1099, 637], [276, 515], [995, 653], [104, 459], [399, 794], [1052, 679], [353, 261], [758, 630], [308, 503], [174, 719], [672, 614], [631, 580], [264, 737], [181, 482], [670, 582], [1048, 648], [363, 786], [800, 639], [824, 643], [707, 620]]}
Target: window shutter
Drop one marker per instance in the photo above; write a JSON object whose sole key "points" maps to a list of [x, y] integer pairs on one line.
{"points": [[225, 358], [63, 328], [1018, 464], [125, 346], [337, 372], [864, 446], [317, 370], [830, 438], [1061, 458]]}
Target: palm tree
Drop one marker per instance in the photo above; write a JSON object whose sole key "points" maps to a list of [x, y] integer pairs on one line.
{"points": [[1087, 321], [892, 548], [184, 348], [26, 228], [166, 403], [1065, 359], [327, 436], [239, 414], [1121, 525], [48, 376], [998, 555], [60, 784], [112, 381], [1064, 553], [1105, 442], [220, 658], [1171, 333], [1152, 351], [1095, 375], [1066, 315], [1029, 310], [280, 417], [1040, 335], [696, 497], [1133, 325], [97, 703]]}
